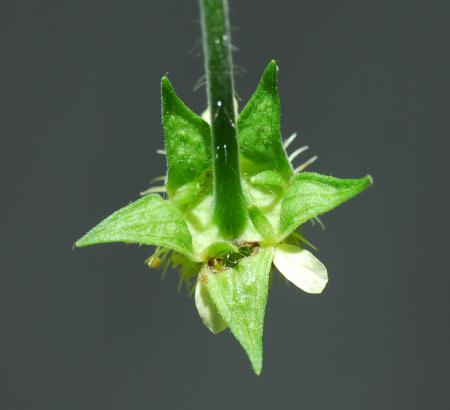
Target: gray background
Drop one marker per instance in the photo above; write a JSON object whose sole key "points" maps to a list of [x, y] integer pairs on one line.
{"points": [[366, 85]]}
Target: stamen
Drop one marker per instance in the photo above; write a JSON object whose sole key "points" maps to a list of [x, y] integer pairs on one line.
{"points": [[301, 238], [288, 141], [166, 262], [305, 164], [153, 189], [319, 222], [157, 179], [297, 152]]}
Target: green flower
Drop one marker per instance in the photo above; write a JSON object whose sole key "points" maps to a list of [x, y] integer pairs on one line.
{"points": [[231, 267]]}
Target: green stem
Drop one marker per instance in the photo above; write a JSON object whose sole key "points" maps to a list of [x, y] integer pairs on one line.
{"points": [[229, 205]]}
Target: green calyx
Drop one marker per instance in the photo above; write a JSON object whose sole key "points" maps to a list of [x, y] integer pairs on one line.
{"points": [[234, 272]]}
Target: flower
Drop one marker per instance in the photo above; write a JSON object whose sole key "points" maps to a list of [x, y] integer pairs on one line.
{"points": [[231, 272]]}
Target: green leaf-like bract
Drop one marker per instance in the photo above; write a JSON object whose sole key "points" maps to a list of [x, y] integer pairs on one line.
{"points": [[309, 195], [187, 140], [148, 221], [261, 223], [240, 295], [259, 127], [268, 178]]}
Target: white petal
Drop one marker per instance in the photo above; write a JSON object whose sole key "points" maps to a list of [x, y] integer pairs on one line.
{"points": [[206, 116], [301, 267], [207, 310]]}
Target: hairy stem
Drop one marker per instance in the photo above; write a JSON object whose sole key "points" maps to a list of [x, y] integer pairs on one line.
{"points": [[229, 206]]}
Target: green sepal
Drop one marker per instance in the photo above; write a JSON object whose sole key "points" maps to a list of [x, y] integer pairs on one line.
{"points": [[192, 192], [261, 223], [310, 195], [219, 249], [240, 295], [258, 127], [187, 140], [268, 179], [148, 221]]}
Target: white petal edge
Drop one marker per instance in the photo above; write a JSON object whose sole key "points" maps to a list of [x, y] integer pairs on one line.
{"points": [[206, 115], [301, 267], [207, 310]]}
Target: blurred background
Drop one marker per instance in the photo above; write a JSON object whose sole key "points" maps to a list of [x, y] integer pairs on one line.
{"points": [[366, 86]]}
